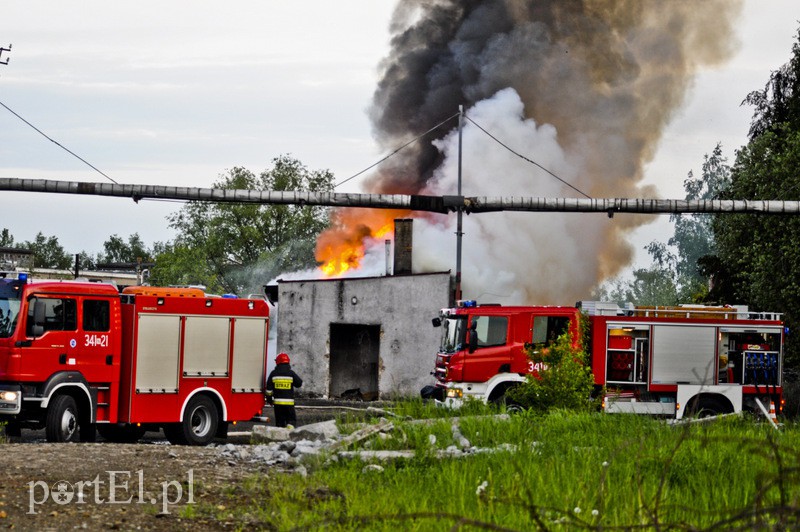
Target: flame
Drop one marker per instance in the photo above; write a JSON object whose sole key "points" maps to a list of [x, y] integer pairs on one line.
{"points": [[342, 247]]}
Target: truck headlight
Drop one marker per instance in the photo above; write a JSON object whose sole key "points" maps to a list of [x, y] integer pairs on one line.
{"points": [[9, 396], [455, 393]]}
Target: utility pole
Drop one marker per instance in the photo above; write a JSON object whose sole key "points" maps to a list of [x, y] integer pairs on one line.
{"points": [[459, 212]]}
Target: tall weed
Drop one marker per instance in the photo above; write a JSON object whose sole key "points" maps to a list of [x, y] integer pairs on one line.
{"points": [[560, 470]]}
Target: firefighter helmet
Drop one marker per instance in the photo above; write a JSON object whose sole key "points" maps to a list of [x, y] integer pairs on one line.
{"points": [[282, 358]]}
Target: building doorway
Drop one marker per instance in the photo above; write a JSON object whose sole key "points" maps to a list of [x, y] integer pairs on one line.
{"points": [[354, 361]]}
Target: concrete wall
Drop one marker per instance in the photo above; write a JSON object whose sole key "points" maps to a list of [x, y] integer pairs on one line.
{"points": [[401, 306]]}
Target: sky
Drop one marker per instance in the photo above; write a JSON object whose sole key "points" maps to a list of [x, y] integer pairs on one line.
{"points": [[176, 93]]}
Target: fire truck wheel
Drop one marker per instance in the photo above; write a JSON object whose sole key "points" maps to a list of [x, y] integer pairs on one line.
{"points": [[512, 407], [199, 425], [708, 407], [61, 424]]}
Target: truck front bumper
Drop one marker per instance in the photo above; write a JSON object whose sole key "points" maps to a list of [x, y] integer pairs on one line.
{"points": [[455, 396], [10, 399]]}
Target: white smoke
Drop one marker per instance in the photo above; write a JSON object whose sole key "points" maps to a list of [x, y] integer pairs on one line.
{"points": [[507, 257], [511, 257]]}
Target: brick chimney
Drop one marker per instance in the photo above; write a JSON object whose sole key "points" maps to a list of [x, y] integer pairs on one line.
{"points": [[403, 243]]}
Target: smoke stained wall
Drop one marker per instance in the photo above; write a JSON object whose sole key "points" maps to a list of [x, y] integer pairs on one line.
{"points": [[583, 87]]}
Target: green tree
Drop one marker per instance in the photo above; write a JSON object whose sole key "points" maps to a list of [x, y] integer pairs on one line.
{"points": [[654, 285], [87, 261], [239, 247], [693, 238], [48, 253], [760, 253], [779, 102], [117, 250], [181, 265], [758, 259], [6, 239]]}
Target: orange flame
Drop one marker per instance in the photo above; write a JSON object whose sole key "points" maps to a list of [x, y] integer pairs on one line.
{"points": [[342, 247]]}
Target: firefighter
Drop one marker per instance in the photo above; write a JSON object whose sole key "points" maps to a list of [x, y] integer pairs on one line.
{"points": [[281, 383]]}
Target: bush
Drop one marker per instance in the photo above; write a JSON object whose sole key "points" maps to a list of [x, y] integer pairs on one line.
{"points": [[563, 381]]}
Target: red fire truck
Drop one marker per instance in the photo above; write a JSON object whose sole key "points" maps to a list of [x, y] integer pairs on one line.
{"points": [[78, 358], [669, 361]]}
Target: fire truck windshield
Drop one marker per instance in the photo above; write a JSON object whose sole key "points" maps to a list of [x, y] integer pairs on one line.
{"points": [[10, 290], [454, 334]]}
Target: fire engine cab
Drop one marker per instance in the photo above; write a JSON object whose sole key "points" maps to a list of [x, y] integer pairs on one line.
{"points": [[78, 358], [669, 361]]}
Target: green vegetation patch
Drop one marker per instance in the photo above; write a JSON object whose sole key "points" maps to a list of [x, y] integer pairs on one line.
{"points": [[540, 471]]}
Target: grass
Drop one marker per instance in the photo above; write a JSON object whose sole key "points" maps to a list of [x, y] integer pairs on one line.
{"points": [[564, 471]]}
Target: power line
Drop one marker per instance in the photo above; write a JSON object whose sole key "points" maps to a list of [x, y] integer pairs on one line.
{"points": [[397, 150], [527, 159], [59, 144], [484, 131]]}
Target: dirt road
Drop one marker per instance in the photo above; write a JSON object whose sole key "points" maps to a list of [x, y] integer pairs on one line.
{"points": [[98, 486], [150, 485]]}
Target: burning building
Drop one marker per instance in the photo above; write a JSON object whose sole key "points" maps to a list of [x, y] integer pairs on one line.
{"points": [[582, 88], [364, 337]]}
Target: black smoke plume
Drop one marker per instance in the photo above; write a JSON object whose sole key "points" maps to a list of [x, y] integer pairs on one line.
{"points": [[601, 77]]}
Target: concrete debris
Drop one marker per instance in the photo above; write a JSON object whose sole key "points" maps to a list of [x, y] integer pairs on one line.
{"points": [[266, 434], [287, 446], [359, 435], [381, 456], [284, 448], [382, 412], [459, 438], [451, 452], [325, 430]]}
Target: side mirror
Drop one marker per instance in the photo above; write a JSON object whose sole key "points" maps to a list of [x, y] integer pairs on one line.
{"points": [[473, 341], [473, 337], [37, 329], [436, 322]]}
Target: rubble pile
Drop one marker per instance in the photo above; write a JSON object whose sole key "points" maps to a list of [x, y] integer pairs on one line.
{"points": [[287, 448]]}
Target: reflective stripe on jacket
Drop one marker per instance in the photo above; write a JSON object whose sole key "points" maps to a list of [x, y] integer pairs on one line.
{"points": [[281, 383]]}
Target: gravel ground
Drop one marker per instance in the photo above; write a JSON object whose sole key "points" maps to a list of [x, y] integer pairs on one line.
{"points": [[99, 486], [112, 486]]}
